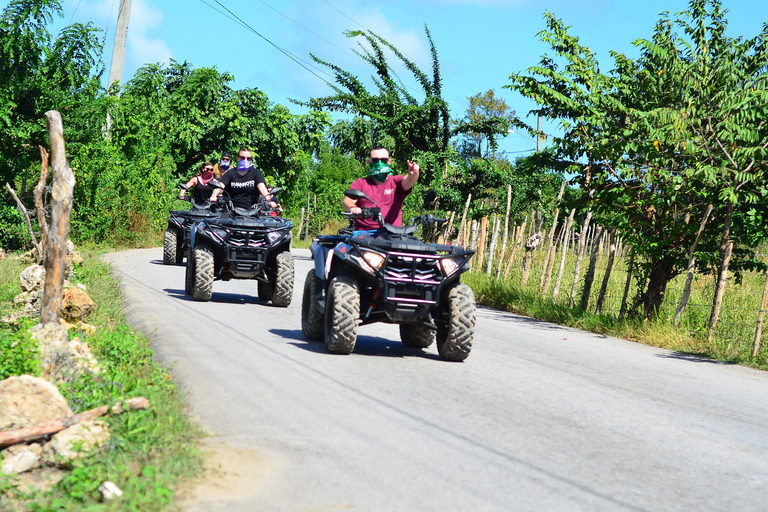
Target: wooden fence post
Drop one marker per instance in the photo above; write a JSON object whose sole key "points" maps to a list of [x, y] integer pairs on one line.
{"points": [[719, 291], [691, 267], [462, 238], [560, 272], [551, 239], [518, 240], [301, 223], [61, 208], [760, 318], [473, 242], [584, 234], [481, 245], [506, 233], [607, 275], [494, 241]]}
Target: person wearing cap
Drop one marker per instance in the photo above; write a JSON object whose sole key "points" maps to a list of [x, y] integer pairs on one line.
{"points": [[386, 190], [223, 166]]}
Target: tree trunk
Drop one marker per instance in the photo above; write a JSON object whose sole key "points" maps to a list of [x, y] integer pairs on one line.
{"points": [[726, 246], [653, 298], [591, 271], [607, 276], [61, 208], [559, 279], [39, 206], [506, 233], [39, 249], [691, 267], [627, 284]]}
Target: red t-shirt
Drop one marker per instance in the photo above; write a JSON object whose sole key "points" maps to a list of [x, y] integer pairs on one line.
{"points": [[389, 196]]}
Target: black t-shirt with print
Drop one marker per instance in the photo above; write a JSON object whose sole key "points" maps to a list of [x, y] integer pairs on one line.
{"points": [[242, 188]]}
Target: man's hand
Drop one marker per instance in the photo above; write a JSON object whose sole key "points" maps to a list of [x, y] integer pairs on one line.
{"points": [[356, 209], [413, 175]]}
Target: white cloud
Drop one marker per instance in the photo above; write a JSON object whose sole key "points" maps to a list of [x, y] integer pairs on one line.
{"points": [[142, 45]]}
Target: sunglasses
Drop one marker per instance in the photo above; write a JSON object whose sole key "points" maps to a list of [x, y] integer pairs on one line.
{"points": [[375, 160], [226, 159], [209, 169], [249, 158]]}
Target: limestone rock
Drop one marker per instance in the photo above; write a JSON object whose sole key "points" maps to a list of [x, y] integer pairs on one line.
{"points": [[61, 358], [75, 441], [32, 278], [27, 400], [76, 305], [110, 491], [20, 458]]}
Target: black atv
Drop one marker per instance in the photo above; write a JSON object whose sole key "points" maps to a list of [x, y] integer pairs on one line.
{"points": [[389, 275], [250, 244], [177, 235]]}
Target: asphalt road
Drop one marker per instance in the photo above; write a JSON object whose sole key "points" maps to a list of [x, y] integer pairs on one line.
{"points": [[539, 417]]}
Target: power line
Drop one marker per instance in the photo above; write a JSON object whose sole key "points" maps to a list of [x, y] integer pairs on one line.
{"points": [[288, 54]]}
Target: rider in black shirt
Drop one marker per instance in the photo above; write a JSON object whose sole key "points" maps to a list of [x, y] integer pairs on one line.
{"points": [[245, 183]]}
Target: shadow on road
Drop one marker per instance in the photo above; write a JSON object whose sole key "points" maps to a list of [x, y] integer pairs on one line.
{"points": [[365, 346], [693, 358], [218, 297]]}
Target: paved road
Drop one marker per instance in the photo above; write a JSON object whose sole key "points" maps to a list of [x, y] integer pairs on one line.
{"points": [[539, 417]]}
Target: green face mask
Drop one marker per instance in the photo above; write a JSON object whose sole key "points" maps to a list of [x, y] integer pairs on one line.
{"points": [[379, 170]]}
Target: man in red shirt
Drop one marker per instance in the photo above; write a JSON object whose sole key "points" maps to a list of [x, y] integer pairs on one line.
{"points": [[387, 190]]}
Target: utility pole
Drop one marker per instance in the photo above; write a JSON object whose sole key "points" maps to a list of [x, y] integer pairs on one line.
{"points": [[118, 52]]}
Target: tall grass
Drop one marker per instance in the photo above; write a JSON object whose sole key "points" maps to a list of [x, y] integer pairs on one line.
{"points": [[734, 334]]}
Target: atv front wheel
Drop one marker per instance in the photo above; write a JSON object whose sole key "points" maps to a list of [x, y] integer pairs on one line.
{"points": [[189, 276], [202, 288], [311, 318], [342, 309], [282, 291], [454, 338], [172, 255], [416, 335]]}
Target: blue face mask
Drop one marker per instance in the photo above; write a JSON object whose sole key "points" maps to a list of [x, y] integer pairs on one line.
{"points": [[244, 165], [224, 165]]}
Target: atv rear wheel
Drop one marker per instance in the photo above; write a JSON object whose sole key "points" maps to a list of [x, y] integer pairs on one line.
{"points": [[172, 254], [311, 318], [454, 339], [342, 309], [282, 291], [416, 335], [202, 288]]}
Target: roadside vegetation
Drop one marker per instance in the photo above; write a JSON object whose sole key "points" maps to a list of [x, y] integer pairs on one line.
{"points": [[149, 450]]}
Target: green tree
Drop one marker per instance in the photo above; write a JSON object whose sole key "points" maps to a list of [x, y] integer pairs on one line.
{"points": [[659, 138], [493, 117]]}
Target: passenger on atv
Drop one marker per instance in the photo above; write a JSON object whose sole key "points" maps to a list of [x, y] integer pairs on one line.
{"points": [[202, 185]]}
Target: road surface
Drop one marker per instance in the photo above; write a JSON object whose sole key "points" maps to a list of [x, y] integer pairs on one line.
{"points": [[539, 417]]}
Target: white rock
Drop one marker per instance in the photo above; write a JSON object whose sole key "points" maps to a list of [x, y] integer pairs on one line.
{"points": [[20, 458], [110, 491]]}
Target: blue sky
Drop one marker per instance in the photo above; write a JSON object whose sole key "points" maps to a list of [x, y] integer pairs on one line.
{"points": [[479, 42]]}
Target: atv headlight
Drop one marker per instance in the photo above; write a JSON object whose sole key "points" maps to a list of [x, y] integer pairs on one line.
{"points": [[222, 234], [449, 265], [274, 235], [374, 259]]}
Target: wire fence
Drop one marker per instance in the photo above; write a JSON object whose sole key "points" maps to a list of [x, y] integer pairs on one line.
{"points": [[738, 321]]}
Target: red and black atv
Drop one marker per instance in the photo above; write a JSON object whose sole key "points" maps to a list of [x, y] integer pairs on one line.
{"points": [[389, 275]]}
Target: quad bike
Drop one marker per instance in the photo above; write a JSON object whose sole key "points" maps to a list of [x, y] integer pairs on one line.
{"points": [[250, 244], [389, 275], [177, 235]]}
